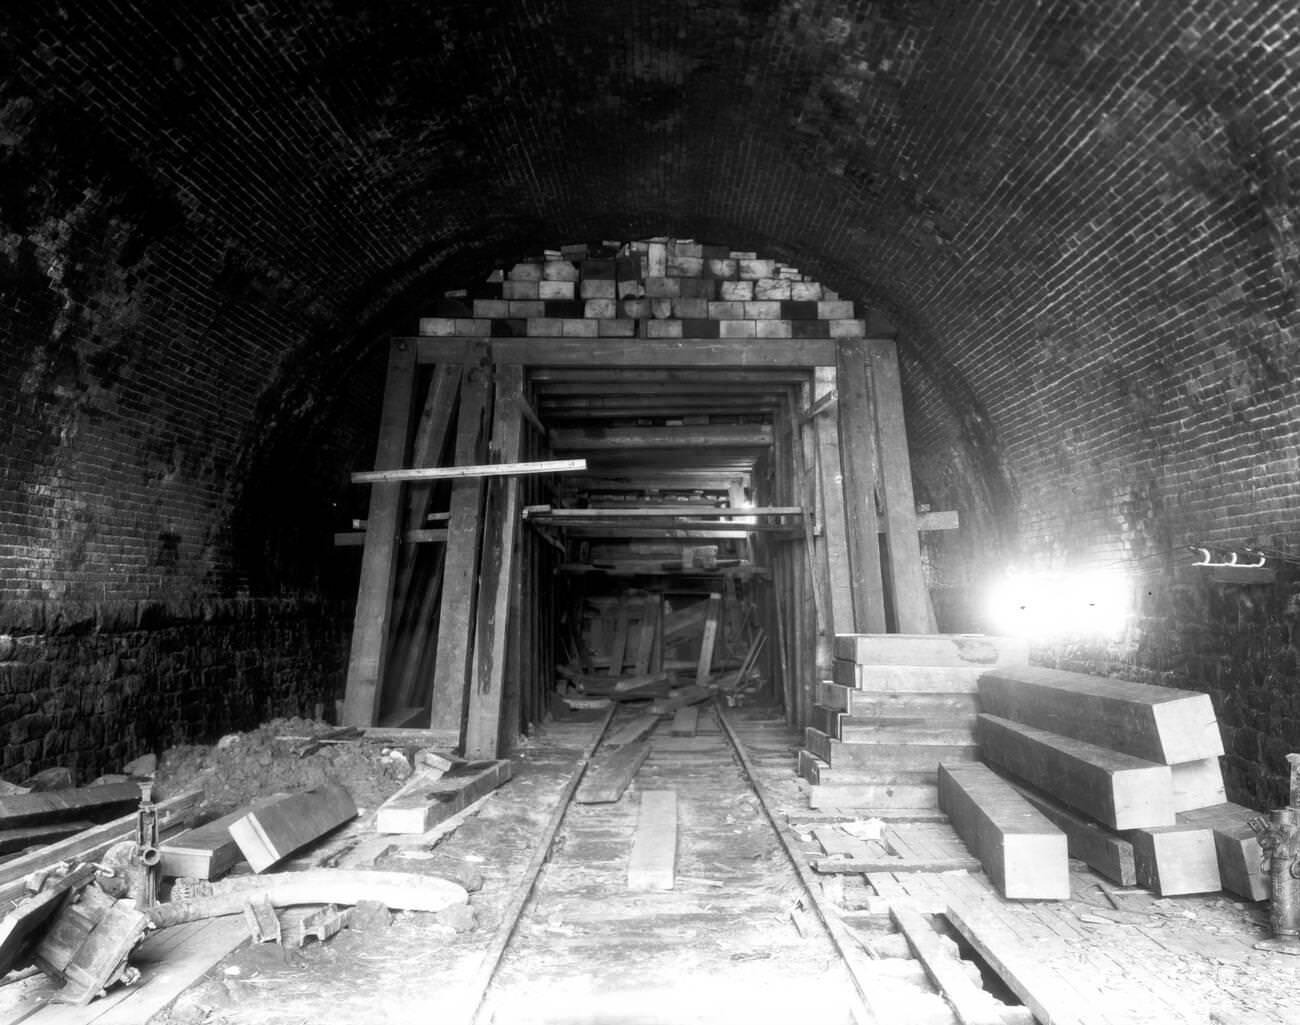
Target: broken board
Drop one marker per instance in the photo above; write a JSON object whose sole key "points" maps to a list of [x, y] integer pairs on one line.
{"points": [[268, 834], [1023, 853], [426, 801], [653, 861]]}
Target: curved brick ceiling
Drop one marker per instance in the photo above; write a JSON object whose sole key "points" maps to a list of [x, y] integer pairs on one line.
{"points": [[1079, 214]]}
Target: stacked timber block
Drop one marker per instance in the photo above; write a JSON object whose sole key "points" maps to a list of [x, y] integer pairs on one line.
{"points": [[897, 705], [1118, 766]]}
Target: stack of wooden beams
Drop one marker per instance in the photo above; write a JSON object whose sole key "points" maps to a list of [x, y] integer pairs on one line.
{"points": [[1130, 772], [896, 707]]}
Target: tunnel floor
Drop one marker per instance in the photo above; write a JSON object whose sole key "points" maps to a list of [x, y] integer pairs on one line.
{"points": [[736, 939]]}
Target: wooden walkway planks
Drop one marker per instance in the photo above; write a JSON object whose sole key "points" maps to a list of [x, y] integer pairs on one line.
{"points": [[652, 863]]}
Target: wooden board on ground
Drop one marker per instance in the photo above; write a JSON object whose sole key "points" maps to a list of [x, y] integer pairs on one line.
{"points": [[1237, 847], [630, 732], [270, 833], [1022, 852], [209, 851], [685, 721], [62, 805], [1090, 842], [959, 650], [1174, 860], [1198, 784], [425, 799], [20, 925], [610, 776], [25, 837], [653, 861], [1159, 724], [1119, 790], [874, 796], [970, 1002]]}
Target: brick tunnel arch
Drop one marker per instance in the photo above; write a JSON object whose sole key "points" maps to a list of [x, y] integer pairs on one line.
{"points": [[1082, 221]]}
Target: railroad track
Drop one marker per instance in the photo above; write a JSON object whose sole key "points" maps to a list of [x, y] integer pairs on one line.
{"points": [[745, 934]]}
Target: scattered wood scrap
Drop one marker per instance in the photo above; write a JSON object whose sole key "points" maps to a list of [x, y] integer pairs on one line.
{"points": [[428, 799], [272, 832]]}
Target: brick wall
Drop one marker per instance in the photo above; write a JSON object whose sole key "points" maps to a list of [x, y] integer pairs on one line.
{"points": [[92, 686], [1081, 215]]}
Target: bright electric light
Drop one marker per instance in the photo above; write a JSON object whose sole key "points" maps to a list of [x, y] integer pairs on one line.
{"points": [[1041, 605]]}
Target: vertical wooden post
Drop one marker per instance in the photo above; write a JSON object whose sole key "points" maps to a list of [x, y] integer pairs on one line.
{"points": [[830, 478], [902, 542], [369, 652], [711, 620], [464, 527], [858, 455], [803, 447], [498, 576]]}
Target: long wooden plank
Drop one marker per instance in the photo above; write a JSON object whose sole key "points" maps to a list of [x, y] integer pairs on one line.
{"points": [[1237, 846], [1023, 853], [370, 631], [1090, 842], [858, 455], [1117, 789], [25, 837], [468, 471], [48, 806], [545, 513], [1160, 724], [453, 660], [270, 833], [956, 650], [653, 861], [498, 574], [903, 545], [613, 774], [630, 732], [1175, 860], [423, 802], [652, 353]]}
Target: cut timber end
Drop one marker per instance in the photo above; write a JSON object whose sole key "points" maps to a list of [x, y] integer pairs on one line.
{"points": [[1119, 790], [270, 833], [209, 851], [1023, 853], [425, 800], [1160, 724], [931, 650], [653, 860], [1198, 784], [1237, 846], [1174, 860]]}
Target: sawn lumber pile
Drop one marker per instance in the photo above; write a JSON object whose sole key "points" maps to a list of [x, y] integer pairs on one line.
{"points": [[1127, 772]]}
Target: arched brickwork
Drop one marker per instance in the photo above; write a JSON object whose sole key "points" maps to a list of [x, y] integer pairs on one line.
{"points": [[1081, 217]]}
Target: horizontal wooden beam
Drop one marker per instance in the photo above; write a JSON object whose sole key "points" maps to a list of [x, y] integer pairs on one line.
{"points": [[550, 377], [357, 538], [612, 533], [698, 511], [639, 352], [701, 385], [652, 527], [586, 439], [461, 472]]}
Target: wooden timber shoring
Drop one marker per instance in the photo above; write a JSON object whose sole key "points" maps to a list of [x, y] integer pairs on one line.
{"points": [[811, 428]]}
